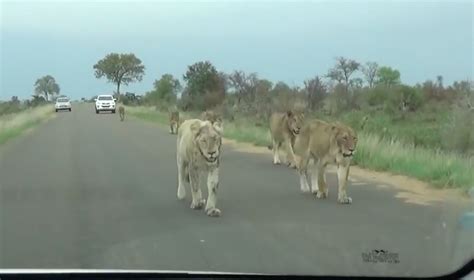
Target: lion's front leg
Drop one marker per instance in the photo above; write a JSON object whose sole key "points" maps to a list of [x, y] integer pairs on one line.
{"points": [[342, 174], [198, 202], [303, 173], [212, 186], [318, 182], [276, 152], [290, 154], [181, 178]]}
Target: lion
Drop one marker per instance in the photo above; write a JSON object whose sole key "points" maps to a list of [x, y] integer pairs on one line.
{"points": [[198, 151], [214, 118], [324, 143], [174, 122], [283, 129], [121, 112]]}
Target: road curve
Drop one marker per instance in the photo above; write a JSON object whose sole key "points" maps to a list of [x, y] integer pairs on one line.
{"points": [[88, 191]]}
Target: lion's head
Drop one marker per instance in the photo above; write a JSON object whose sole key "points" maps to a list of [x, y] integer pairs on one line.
{"points": [[346, 139], [208, 141], [295, 121]]}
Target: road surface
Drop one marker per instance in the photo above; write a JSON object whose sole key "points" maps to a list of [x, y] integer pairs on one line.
{"points": [[88, 191]]}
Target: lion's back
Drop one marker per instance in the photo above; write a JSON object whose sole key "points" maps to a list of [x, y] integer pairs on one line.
{"points": [[315, 137]]}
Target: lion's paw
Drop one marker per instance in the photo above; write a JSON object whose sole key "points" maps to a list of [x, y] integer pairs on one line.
{"points": [[213, 212], [304, 188], [344, 200], [321, 194], [198, 205]]}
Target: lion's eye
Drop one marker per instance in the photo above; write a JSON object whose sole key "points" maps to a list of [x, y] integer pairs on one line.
{"points": [[345, 137]]}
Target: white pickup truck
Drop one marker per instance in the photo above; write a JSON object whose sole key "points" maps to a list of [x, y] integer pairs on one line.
{"points": [[105, 103]]}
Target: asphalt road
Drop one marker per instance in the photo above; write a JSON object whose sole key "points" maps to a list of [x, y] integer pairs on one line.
{"points": [[88, 191]]}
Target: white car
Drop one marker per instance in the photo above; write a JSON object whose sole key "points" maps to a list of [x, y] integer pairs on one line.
{"points": [[63, 103], [105, 103]]}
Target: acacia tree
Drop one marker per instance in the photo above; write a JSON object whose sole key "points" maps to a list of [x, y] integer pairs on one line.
{"points": [[245, 85], [46, 86], [120, 69], [343, 70], [388, 76], [370, 72], [315, 91]]}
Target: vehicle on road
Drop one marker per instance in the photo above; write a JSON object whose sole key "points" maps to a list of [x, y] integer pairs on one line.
{"points": [[63, 103], [105, 102]]}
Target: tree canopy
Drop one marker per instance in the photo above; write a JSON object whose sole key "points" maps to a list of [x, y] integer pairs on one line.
{"points": [[164, 90], [46, 86], [120, 69], [388, 76]]}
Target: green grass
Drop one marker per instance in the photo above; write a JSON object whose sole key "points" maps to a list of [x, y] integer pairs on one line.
{"points": [[10, 133], [13, 125], [441, 169]]}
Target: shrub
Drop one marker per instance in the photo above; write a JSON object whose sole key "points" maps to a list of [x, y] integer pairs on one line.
{"points": [[458, 134]]}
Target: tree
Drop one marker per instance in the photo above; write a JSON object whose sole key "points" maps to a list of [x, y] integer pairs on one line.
{"points": [[46, 86], [205, 86], [315, 91], [244, 85], [281, 88], [263, 87], [120, 69], [388, 76], [165, 89], [370, 72], [343, 70], [37, 100], [439, 80], [15, 100], [201, 77]]}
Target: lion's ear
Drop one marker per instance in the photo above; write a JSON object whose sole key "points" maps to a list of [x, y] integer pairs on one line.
{"points": [[218, 127], [197, 126], [289, 113]]}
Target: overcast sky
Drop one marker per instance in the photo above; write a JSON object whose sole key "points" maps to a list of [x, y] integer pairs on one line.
{"points": [[287, 41]]}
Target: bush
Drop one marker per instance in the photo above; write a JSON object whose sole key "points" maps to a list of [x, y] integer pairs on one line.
{"points": [[10, 108], [458, 134], [376, 96]]}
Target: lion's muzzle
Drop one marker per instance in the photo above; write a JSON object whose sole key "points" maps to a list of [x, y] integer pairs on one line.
{"points": [[349, 154]]}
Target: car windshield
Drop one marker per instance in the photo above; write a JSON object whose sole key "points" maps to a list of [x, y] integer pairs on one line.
{"points": [[105, 98], [286, 137]]}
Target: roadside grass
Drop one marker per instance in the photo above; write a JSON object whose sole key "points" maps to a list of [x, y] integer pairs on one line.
{"points": [[13, 125], [375, 152], [441, 169]]}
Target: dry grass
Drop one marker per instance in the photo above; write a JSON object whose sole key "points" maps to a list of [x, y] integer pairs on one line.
{"points": [[12, 125]]}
